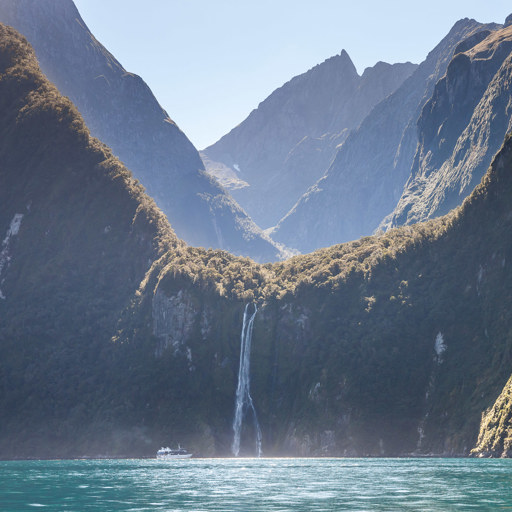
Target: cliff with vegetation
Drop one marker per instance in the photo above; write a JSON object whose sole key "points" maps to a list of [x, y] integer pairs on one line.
{"points": [[495, 437], [80, 235], [116, 337]]}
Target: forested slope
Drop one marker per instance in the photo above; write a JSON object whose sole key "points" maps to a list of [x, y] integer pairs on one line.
{"points": [[116, 337]]}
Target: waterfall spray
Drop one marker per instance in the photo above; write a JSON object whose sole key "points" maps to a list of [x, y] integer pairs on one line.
{"points": [[243, 391]]}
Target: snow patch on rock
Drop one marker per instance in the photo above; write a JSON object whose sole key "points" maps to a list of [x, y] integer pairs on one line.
{"points": [[5, 258], [439, 347]]}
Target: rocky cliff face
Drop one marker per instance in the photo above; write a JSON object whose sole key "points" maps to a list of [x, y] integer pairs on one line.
{"points": [[115, 337], [400, 358], [287, 143], [80, 235], [366, 178], [121, 110], [461, 127], [495, 437]]}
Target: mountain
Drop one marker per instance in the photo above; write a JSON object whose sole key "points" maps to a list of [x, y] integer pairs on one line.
{"points": [[80, 236], [116, 337], [362, 186], [120, 109], [269, 160], [389, 345], [460, 128]]}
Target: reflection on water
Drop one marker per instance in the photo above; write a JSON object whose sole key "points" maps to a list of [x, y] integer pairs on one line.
{"points": [[258, 485]]}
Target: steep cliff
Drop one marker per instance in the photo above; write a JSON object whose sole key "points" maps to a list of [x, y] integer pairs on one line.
{"points": [[116, 337], [495, 437], [461, 127], [390, 345], [370, 169], [270, 159], [80, 235], [120, 109]]}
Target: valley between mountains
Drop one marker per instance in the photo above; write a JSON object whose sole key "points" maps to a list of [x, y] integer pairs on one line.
{"points": [[126, 268]]}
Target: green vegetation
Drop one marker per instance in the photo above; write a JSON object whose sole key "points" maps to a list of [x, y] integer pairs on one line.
{"points": [[495, 437], [343, 360]]}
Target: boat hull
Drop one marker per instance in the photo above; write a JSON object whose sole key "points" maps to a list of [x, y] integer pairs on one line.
{"points": [[172, 457]]}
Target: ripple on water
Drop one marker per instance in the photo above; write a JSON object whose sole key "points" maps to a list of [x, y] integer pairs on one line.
{"points": [[249, 485]]}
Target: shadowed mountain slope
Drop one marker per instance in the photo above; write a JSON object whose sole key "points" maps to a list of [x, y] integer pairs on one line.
{"points": [[121, 110], [115, 337], [80, 236]]}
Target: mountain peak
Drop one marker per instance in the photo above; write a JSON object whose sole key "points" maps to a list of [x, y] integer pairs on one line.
{"points": [[286, 145], [344, 54], [508, 20], [379, 67], [340, 62], [345, 59]]}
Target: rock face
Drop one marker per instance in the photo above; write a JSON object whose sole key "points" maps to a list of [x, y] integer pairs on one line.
{"points": [[367, 176], [172, 320], [121, 111], [399, 355], [287, 143], [495, 437], [115, 336], [80, 236], [461, 127]]}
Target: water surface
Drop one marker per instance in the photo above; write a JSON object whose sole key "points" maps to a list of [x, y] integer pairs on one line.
{"points": [[257, 485]]}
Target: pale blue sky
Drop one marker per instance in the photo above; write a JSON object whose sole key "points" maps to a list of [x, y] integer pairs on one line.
{"points": [[210, 62]]}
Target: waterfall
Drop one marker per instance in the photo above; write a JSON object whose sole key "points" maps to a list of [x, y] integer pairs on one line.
{"points": [[243, 391]]}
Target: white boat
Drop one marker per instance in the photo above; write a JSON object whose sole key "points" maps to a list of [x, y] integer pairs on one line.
{"points": [[173, 453]]}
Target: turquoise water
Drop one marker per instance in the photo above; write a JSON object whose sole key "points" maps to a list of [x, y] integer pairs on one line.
{"points": [[257, 485]]}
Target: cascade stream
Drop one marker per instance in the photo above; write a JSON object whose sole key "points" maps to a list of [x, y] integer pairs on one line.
{"points": [[243, 391]]}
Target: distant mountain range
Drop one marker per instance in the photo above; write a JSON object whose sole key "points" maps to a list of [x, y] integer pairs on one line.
{"points": [[365, 181], [120, 109], [116, 335], [269, 160], [460, 128], [302, 162]]}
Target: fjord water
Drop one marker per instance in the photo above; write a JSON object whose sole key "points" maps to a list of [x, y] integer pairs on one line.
{"points": [[257, 485]]}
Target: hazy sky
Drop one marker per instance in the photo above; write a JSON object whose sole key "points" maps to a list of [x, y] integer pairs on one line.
{"points": [[210, 62]]}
